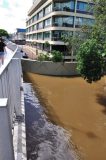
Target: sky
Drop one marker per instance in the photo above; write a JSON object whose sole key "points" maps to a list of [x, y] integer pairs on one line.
{"points": [[13, 14]]}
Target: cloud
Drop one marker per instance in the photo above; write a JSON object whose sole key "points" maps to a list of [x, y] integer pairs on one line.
{"points": [[13, 14]]}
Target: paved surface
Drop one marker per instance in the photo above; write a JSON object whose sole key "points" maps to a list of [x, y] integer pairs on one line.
{"points": [[30, 51], [19, 134]]}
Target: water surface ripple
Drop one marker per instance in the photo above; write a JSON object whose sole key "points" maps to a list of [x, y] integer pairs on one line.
{"points": [[45, 141]]}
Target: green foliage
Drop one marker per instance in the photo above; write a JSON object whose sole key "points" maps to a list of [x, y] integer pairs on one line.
{"points": [[3, 33], [99, 30], [92, 53], [44, 57], [46, 44], [74, 41], [90, 61], [57, 56]]}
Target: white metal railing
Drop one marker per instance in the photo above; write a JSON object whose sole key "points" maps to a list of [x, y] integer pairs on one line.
{"points": [[10, 83]]}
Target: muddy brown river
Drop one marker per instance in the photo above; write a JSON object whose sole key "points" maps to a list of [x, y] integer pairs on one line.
{"points": [[78, 107]]}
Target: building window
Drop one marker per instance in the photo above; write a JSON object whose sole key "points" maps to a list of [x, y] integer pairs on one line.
{"points": [[39, 46], [30, 36], [48, 22], [83, 7], [34, 18], [29, 22], [35, 36], [80, 21], [69, 5], [35, 27], [48, 9], [40, 36], [29, 29], [40, 25], [66, 21], [40, 14], [26, 23], [58, 35], [47, 35]]}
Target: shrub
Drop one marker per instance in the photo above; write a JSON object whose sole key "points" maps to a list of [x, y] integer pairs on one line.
{"points": [[57, 56], [43, 57]]}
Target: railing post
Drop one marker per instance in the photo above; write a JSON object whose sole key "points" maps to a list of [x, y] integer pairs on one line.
{"points": [[6, 142]]}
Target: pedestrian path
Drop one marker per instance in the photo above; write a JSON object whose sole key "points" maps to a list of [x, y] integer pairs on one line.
{"points": [[30, 51]]}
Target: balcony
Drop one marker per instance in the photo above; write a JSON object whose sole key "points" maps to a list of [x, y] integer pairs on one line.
{"points": [[67, 9], [56, 24], [56, 39]]}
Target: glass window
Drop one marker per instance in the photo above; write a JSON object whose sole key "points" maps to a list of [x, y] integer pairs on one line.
{"points": [[79, 21], [69, 5], [66, 21], [81, 6], [32, 19], [26, 23], [40, 35], [48, 9], [35, 36], [29, 21], [29, 29], [40, 14], [48, 22], [35, 18], [39, 46], [47, 35], [40, 25], [57, 35], [35, 27], [31, 36], [84, 7]]}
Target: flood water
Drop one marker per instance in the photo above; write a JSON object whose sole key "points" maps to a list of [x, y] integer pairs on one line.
{"points": [[45, 141], [76, 106]]}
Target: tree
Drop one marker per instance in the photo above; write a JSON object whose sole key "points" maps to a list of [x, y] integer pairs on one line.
{"points": [[73, 41], [3, 33], [90, 61], [92, 53]]}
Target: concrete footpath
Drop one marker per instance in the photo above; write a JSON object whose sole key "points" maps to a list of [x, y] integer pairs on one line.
{"points": [[30, 51], [19, 133]]}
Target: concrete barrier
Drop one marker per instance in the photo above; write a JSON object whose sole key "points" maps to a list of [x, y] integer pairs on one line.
{"points": [[50, 68], [12, 114]]}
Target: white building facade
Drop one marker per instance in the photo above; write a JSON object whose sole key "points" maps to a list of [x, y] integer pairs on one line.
{"points": [[49, 20]]}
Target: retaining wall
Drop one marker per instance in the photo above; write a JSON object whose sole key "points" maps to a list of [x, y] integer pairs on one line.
{"points": [[49, 68]]}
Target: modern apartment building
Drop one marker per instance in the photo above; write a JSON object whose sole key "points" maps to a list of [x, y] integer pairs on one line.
{"points": [[49, 20]]}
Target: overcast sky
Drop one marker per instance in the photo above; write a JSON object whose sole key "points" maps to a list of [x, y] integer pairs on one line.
{"points": [[13, 14]]}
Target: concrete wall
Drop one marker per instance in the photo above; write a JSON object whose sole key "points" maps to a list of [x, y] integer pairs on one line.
{"points": [[6, 146], [50, 68], [12, 130]]}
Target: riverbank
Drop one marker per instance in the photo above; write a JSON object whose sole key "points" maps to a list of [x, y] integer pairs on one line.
{"points": [[77, 106]]}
